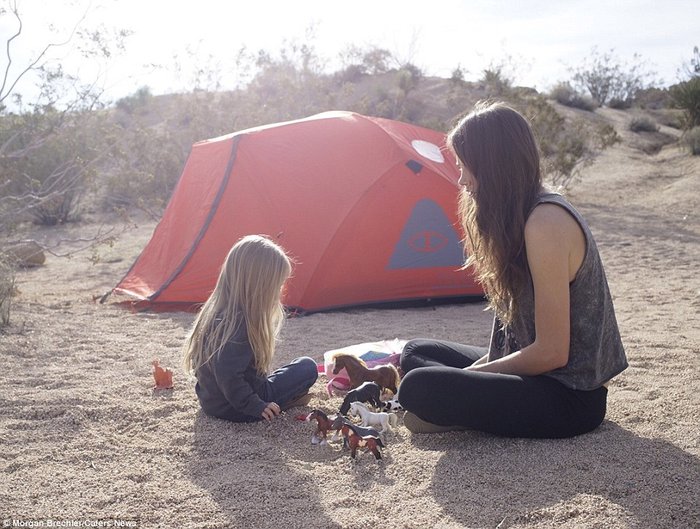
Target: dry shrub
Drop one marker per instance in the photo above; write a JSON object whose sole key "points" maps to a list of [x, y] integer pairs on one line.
{"points": [[567, 146], [610, 81], [643, 124], [691, 139], [7, 288], [686, 96], [566, 95]]}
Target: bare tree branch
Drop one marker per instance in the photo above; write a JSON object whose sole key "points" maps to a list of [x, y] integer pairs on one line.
{"points": [[15, 11], [63, 181], [101, 236], [9, 58]]}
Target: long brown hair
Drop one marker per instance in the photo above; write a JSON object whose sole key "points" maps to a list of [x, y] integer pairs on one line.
{"points": [[246, 293], [497, 145]]}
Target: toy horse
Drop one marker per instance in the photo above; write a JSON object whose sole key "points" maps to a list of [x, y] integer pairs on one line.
{"points": [[341, 424], [365, 392], [386, 376], [323, 425], [357, 437], [162, 376], [385, 420], [391, 405]]}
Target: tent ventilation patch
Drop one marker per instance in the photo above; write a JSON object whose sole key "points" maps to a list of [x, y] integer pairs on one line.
{"points": [[428, 150]]}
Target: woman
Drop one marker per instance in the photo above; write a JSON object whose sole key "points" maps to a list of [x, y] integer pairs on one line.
{"points": [[555, 343]]}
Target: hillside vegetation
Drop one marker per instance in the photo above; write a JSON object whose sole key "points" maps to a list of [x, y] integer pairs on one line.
{"points": [[84, 159]]}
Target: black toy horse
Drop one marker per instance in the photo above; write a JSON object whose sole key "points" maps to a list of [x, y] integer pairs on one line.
{"points": [[366, 392]]}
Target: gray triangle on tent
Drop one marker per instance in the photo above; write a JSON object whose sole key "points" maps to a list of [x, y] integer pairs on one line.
{"points": [[427, 240]]}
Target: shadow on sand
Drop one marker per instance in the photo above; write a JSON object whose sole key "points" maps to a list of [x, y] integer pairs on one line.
{"points": [[514, 481], [252, 487]]}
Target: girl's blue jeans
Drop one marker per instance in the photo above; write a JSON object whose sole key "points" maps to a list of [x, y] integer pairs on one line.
{"points": [[290, 381]]}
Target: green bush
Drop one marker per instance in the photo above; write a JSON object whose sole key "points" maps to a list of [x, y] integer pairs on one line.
{"points": [[653, 98], [352, 73], [145, 171], [571, 148], [643, 124], [691, 139], [457, 77], [52, 161], [358, 62], [686, 96], [612, 82], [620, 104], [567, 146], [668, 117], [7, 288], [139, 100], [566, 95], [496, 81], [691, 68]]}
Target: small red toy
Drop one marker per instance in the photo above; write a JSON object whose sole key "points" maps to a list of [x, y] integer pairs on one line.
{"points": [[162, 376]]}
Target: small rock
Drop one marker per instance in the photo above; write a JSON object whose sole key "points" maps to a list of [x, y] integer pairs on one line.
{"points": [[25, 254]]}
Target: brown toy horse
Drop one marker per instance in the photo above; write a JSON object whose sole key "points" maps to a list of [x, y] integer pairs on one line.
{"points": [[386, 376], [358, 437], [323, 425]]}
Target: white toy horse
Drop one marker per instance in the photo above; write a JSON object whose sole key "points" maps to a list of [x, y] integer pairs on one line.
{"points": [[382, 419]]}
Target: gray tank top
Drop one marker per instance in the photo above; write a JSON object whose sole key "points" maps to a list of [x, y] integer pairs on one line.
{"points": [[596, 353]]}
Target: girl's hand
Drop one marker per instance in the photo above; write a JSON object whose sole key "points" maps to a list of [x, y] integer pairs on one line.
{"points": [[271, 411]]}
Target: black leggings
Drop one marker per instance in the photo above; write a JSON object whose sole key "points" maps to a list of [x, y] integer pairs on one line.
{"points": [[438, 390]]}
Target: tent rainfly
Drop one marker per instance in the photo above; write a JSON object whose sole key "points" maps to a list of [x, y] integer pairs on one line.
{"points": [[365, 206]]}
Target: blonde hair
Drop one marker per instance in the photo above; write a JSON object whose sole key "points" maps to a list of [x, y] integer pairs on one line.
{"points": [[498, 147], [246, 293]]}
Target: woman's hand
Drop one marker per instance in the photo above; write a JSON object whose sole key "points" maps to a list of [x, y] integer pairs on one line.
{"points": [[271, 411]]}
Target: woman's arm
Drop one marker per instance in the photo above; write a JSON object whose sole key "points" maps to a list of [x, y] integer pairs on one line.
{"points": [[552, 238]]}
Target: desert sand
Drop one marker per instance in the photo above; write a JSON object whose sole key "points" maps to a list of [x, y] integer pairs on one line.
{"points": [[84, 437]]}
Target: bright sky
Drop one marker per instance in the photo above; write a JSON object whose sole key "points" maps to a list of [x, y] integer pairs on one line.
{"points": [[542, 38]]}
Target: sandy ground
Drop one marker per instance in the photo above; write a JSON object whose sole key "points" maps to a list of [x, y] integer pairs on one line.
{"points": [[84, 437]]}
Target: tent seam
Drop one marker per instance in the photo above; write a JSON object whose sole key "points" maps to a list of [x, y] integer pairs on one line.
{"points": [[207, 222]]}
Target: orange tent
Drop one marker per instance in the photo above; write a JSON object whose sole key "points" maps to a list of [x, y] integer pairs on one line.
{"points": [[365, 206]]}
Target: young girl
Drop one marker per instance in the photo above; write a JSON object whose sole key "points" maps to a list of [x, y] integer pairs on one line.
{"points": [[555, 342], [232, 342]]}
